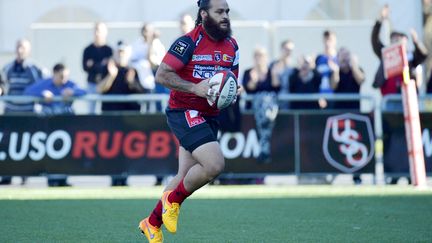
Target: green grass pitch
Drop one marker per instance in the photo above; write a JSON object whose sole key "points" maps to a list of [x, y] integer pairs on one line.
{"points": [[221, 214]]}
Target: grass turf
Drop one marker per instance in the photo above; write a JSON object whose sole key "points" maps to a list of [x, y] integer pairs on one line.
{"points": [[221, 214]]}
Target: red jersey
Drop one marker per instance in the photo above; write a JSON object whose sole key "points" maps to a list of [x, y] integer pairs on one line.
{"points": [[392, 86], [195, 57]]}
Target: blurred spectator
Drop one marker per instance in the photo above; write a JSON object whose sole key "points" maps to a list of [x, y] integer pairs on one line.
{"points": [[148, 47], [147, 54], [121, 79], [186, 24], [157, 52], [427, 18], [427, 11], [393, 85], [58, 85], [16, 77], [258, 81], [95, 60], [351, 76], [305, 80], [145, 57], [323, 64], [2, 84], [282, 68]]}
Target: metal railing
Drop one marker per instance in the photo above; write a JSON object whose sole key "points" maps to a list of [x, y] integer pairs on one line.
{"points": [[147, 101], [316, 97], [91, 97], [163, 98], [425, 102]]}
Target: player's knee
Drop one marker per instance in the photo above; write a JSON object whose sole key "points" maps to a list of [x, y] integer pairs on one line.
{"points": [[214, 169]]}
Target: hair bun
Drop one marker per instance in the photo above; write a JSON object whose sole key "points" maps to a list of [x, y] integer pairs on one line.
{"points": [[199, 3]]}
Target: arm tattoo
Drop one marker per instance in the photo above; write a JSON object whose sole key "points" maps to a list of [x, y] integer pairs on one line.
{"points": [[168, 78]]}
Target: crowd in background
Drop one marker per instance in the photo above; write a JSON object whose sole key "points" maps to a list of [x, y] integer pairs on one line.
{"points": [[130, 69]]}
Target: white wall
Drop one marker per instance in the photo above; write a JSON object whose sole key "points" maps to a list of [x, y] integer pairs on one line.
{"points": [[66, 42], [16, 16]]}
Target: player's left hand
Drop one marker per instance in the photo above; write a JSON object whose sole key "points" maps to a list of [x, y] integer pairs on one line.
{"points": [[240, 90]]}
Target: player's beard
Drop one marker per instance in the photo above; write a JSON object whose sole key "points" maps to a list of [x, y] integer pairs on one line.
{"points": [[214, 30]]}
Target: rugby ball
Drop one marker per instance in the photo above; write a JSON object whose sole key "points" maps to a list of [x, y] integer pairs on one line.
{"points": [[227, 88]]}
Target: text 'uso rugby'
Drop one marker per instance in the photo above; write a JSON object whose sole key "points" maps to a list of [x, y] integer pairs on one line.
{"points": [[227, 88]]}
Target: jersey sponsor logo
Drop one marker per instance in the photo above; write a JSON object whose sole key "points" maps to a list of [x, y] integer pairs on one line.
{"points": [[348, 142], [194, 118], [218, 56], [180, 47], [199, 58], [227, 58], [206, 71]]}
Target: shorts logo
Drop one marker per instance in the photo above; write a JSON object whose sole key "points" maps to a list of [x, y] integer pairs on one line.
{"points": [[199, 58], [348, 142], [217, 56], [193, 118], [227, 58], [180, 47]]}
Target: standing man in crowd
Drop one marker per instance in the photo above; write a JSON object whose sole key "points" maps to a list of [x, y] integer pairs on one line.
{"points": [[393, 85], [350, 77], [2, 85], [190, 62], [282, 68], [427, 32], [95, 60], [147, 54], [17, 76], [140, 57], [305, 79], [186, 24], [121, 79], [259, 83], [323, 64]]}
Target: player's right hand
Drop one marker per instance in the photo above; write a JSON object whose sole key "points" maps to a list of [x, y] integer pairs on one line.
{"points": [[205, 89]]}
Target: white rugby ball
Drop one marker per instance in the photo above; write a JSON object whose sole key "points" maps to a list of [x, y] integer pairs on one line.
{"points": [[227, 88]]}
